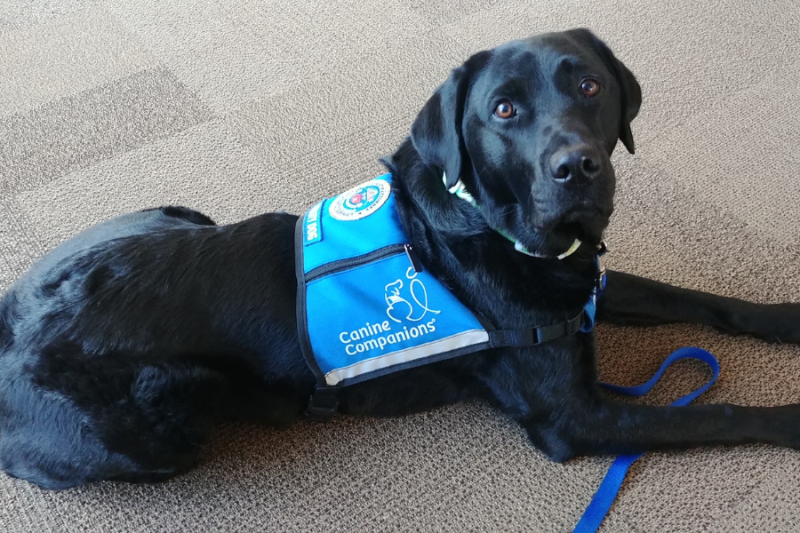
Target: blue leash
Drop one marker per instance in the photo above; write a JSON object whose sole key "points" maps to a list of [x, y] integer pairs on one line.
{"points": [[607, 492]]}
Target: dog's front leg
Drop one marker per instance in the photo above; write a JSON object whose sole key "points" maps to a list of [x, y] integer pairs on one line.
{"points": [[630, 300], [553, 392], [610, 428]]}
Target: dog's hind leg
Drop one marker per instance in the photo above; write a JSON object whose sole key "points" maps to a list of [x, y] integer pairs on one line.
{"points": [[630, 300], [75, 418], [47, 440]]}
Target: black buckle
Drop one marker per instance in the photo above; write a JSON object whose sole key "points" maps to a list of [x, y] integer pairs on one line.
{"points": [[323, 404], [600, 277], [574, 325]]}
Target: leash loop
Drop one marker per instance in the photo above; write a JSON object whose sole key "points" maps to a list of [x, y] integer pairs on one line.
{"points": [[609, 488]]}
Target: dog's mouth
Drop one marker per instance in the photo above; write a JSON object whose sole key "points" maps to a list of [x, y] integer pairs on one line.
{"points": [[574, 230], [561, 237], [585, 224]]}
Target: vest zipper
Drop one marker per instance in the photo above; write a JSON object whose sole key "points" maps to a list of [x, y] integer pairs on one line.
{"points": [[346, 264]]}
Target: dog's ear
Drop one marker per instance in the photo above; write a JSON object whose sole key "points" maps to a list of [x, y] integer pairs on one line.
{"points": [[436, 132], [630, 90]]}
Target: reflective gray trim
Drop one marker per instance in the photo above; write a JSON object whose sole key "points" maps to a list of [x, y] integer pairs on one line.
{"points": [[454, 342]]}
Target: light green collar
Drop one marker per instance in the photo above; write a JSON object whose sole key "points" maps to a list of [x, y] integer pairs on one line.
{"points": [[460, 191]]}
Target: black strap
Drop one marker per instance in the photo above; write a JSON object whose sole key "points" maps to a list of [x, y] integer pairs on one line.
{"points": [[533, 336], [323, 403]]}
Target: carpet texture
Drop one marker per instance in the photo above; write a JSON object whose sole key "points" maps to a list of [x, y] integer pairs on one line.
{"points": [[236, 107]]}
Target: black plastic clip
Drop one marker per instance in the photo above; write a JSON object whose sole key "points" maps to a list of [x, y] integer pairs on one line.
{"points": [[323, 404], [413, 258], [600, 276]]}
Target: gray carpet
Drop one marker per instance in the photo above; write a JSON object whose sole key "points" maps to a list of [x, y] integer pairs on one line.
{"points": [[237, 107]]}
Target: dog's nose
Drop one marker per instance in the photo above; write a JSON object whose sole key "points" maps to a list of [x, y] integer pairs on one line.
{"points": [[575, 165]]}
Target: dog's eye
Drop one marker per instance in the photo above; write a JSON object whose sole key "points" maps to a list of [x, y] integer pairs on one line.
{"points": [[504, 109], [590, 87]]}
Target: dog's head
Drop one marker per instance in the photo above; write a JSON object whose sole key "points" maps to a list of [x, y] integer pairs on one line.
{"points": [[528, 128]]}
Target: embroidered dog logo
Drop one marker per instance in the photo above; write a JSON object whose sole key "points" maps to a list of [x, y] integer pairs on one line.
{"points": [[401, 308]]}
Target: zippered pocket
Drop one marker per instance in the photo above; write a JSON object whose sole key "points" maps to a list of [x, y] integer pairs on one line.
{"points": [[375, 255]]}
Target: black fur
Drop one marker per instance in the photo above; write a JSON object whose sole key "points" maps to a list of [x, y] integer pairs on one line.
{"points": [[124, 346]]}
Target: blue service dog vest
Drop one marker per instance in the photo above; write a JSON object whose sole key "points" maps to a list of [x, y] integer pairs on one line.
{"points": [[366, 307], [369, 310]]}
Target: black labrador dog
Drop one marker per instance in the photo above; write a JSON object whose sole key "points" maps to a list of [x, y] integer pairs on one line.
{"points": [[124, 346]]}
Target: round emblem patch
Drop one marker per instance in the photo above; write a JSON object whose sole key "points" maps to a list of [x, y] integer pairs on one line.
{"points": [[360, 201]]}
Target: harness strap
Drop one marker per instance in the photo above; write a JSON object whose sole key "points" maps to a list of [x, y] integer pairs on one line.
{"points": [[533, 336], [607, 492]]}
